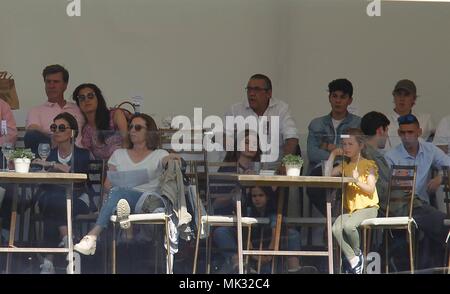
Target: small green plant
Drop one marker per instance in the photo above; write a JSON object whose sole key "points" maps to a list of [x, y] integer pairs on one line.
{"points": [[291, 159], [22, 153]]}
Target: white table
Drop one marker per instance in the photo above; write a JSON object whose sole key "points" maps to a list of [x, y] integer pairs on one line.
{"points": [[66, 179], [289, 181]]}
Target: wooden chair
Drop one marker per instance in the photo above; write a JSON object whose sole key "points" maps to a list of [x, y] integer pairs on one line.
{"points": [[401, 189], [161, 218], [221, 184]]}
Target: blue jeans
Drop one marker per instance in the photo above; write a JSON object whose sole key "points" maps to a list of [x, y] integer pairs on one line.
{"points": [[115, 194]]}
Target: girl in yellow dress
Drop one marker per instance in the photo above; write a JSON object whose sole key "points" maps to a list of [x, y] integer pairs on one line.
{"points": [[361, 198]]}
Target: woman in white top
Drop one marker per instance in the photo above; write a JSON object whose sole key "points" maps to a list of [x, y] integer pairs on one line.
{"points": [[142, 153]]}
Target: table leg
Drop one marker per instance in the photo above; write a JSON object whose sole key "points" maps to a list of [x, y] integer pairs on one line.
{"points": [[278, 223], [69, 192], [239, 232], [12, 227], [329, 233]]}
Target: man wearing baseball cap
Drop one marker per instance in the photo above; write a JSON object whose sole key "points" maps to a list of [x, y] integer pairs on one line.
{"points": [[405, 96]]}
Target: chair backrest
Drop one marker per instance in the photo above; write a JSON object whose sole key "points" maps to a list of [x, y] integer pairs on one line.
{"points": [[96, 176], [401, 190], [446, 188], [219, 185]]}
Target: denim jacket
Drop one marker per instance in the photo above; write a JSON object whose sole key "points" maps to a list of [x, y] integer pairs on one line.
{"points": [[321, 130]]}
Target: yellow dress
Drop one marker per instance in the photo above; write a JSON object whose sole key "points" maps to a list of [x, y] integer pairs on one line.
{"points": [[355, 198]]}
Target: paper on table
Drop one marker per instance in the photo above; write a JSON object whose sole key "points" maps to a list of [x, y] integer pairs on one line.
{"points": [[128, 179]]}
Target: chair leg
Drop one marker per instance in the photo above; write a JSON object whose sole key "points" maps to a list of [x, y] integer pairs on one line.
{"points": [[386, 250], [208, 254], [169, 261], [411, 255], [113, 250], [248, 245], [260, 248], [448, 265], [197, 243], [365, 247]]}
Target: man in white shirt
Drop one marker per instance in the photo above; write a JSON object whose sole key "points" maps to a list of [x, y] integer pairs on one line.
{"points": [[405, 96], [442, 136], [260, 103]]}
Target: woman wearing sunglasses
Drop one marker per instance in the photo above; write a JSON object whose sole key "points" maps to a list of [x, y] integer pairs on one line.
{"points": [[142, 153], [51, 200], [105, 130]]}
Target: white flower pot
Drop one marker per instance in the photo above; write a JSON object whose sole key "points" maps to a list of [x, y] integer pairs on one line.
{"points": [[22, 165], [293, 170]]}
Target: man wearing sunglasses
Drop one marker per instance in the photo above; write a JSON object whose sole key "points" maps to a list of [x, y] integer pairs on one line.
{"points": [[425, 156], [260, 103], [41, 117]]}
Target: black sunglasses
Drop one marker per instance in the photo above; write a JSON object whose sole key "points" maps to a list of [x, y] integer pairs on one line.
{"points": [[60, 128], [82, 98], [136, 127]]}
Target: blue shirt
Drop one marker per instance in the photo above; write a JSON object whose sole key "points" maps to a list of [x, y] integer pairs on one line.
{"points": [[427, 157], [321, 130]]}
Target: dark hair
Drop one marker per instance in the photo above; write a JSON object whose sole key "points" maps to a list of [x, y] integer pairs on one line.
{"points": [[102, 115], [56, 68], [233, 156], [70, 120], [408, 119], [152, 139], [371, 121], [266, 79], [271, 197], [343, 85]]}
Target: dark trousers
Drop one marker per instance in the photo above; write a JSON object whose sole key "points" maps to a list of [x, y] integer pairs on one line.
{"points": [[431, 222]]}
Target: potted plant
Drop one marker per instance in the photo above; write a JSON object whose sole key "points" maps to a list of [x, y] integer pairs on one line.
{"points": [[22, 159], [293, 164]]}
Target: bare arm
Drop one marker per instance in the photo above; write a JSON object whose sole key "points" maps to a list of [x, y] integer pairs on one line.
{"points": [[368, 187], [121, 122]]}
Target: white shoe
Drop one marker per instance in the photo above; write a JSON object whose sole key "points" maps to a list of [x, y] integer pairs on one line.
{"points": [[47, 267], [123, 211], [87, 245]]}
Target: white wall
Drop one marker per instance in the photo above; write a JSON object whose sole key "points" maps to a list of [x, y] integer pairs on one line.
{"points": [[185, 53]]}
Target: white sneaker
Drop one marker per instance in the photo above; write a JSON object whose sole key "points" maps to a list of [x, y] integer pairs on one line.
{"points": [[123, 211], [47, 267], [87, 245]]}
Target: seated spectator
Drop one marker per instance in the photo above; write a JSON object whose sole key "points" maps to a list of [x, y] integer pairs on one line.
{"points": [[262, 204], [41, 117], [405, 96], [424, 156], [249, 155], [7, 115], [324, 133], [105, 129], [142, 153], [361, 198], [375, 127], [442, 136], [52, 202], [260, 103]]}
